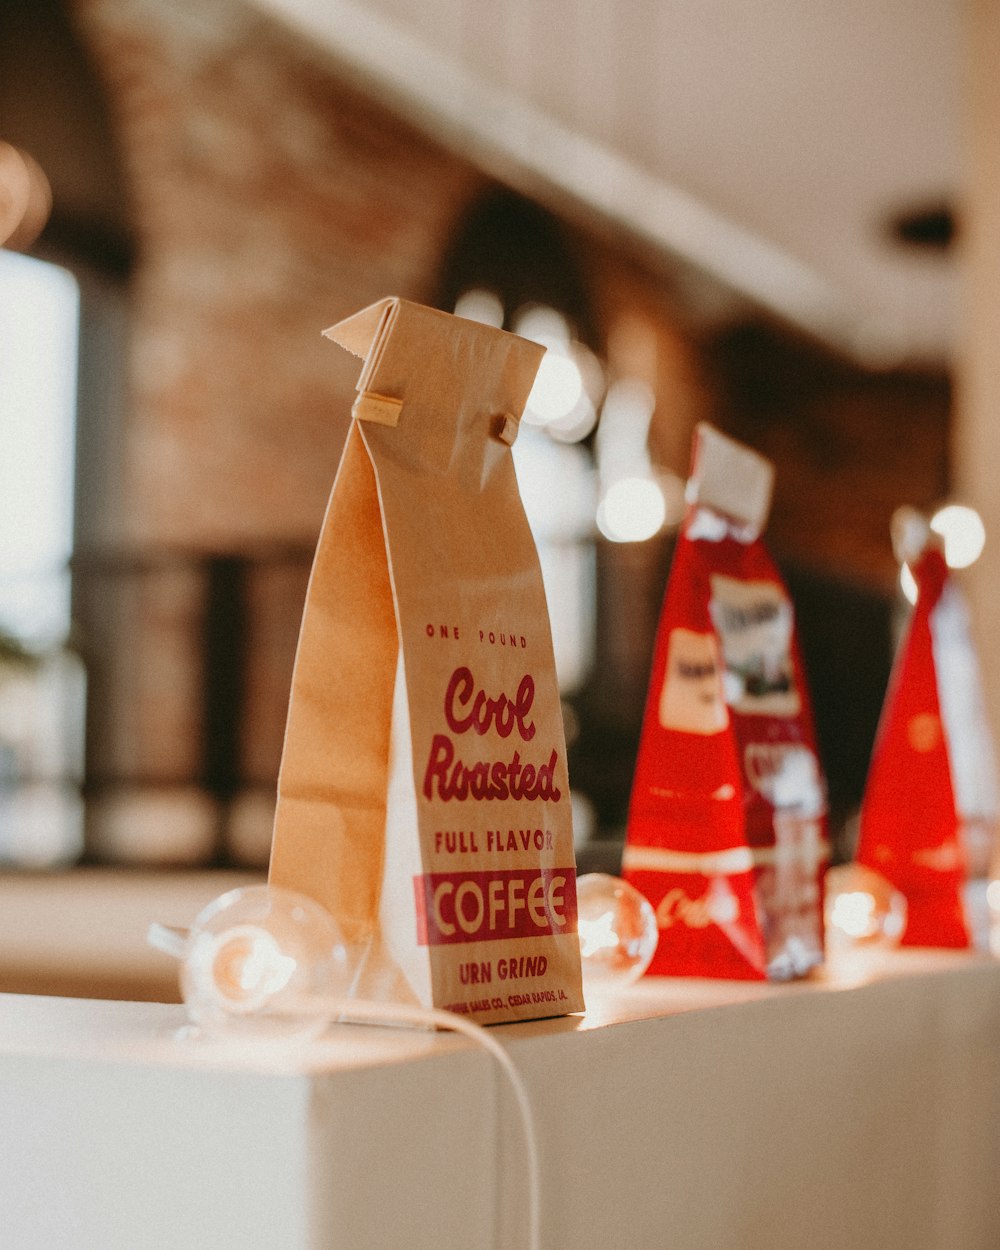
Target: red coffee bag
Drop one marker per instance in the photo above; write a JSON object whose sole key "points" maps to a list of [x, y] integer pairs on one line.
{"points": [[727, 824], [911, 825]]}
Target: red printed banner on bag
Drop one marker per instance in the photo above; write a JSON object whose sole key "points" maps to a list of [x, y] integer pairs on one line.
{"points": [[910, 825], [727, 823], [485, 906]]}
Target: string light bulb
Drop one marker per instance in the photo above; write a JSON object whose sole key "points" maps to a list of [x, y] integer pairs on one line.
{"points": [[259, 962], [617, 931], [862, 909]]}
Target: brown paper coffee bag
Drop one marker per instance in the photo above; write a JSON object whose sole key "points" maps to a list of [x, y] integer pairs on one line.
{"points": [[423, 796]]}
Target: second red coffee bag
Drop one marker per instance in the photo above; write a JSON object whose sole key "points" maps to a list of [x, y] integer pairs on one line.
{"points": [[727, 832]]}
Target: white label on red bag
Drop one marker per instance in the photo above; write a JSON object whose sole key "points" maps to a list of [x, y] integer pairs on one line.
{"points": [[691, 700], [804, 845], [754, 620], [706, 863]]}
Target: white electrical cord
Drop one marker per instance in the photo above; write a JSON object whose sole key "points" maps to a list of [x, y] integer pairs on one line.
{"points": [[361, 1011]]}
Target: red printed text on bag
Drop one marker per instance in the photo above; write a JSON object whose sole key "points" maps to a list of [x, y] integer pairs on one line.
{"points": [[484, 906], [468, 707]]}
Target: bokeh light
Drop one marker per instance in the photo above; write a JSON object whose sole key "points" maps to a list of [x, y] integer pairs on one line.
{"points": [[908, 583], [963, 533], [633, 509], [481, 305], [543, 325], [862, 909], [557, 390]]}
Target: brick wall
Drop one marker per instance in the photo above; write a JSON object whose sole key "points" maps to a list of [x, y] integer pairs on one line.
{"points": [[269, 201]]}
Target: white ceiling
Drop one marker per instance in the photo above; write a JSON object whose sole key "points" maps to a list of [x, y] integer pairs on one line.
{"points": [[766, 141]]}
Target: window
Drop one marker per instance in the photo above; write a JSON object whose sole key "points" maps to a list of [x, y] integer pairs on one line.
{"points": [[41, 682], [39, 327]]}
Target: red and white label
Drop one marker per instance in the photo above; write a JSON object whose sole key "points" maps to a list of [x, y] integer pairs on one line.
{"points": [[488, 906]]}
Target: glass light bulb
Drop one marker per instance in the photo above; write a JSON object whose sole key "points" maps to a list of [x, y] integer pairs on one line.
{"points": [[617, 930], [255, 956], [862, 909]]}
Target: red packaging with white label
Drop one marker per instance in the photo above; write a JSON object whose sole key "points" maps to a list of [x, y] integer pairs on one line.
{"points": [[727, 830], [423, 796], [932, 742]]}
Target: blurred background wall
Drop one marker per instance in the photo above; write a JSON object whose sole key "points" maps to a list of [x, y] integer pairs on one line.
{"points": [[223, 189]]}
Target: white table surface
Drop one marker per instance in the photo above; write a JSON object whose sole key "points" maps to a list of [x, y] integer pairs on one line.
{"points": [[860, 1112]]}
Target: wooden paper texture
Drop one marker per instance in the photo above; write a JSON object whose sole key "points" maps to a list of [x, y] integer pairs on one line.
{"points": [[423, 796]]}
